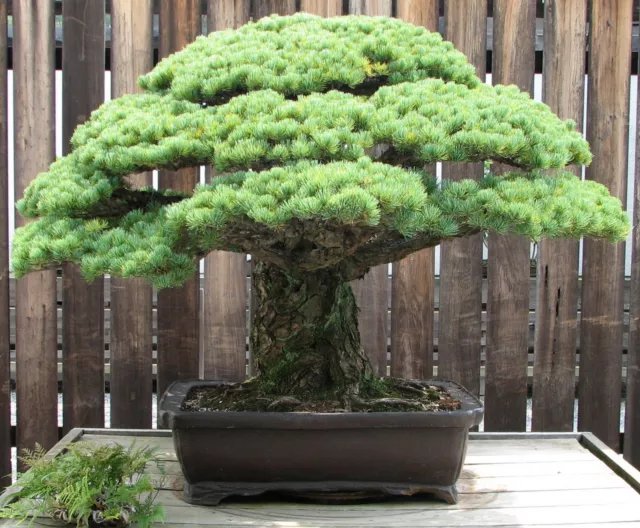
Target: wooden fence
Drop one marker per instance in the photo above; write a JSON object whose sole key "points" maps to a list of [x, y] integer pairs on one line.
{"points": [[482, 327]]}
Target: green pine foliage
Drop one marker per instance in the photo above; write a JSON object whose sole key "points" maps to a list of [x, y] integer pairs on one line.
{"points": [[321, 129], [87, 485], [303, 54], [159, 244]]}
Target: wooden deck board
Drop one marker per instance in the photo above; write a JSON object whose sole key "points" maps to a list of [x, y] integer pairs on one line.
{"points": [[510, 482]]}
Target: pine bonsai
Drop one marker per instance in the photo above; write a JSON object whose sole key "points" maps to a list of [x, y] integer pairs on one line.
{"points": [[320, 129]]}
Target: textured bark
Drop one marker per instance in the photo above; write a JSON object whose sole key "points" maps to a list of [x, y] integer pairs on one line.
{"points": [[305, 335]]}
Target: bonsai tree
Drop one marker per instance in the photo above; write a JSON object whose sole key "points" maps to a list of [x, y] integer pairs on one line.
{"points": [[320, 130]]}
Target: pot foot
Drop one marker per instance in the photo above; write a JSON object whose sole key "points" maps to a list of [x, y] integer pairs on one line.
{"points": [[212, 493]]}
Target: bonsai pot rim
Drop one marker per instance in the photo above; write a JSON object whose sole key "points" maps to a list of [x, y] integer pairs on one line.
{"points": [[171, 415]]}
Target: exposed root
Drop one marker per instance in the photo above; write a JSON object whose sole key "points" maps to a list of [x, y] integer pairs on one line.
{"points": [[285, 403], [384, 403]]}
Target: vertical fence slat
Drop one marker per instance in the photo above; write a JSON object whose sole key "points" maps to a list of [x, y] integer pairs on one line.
{"points": [[131, 299], [371, 7], [82, 303], [459, 339], [263, 8], [419, 12], [227, 14], [5, 373], [509, 256], [178, 308], [565, 33], [603, 263], [632, 409], [34, 125], [413, 278], [225, 285], [372, 292], [325, 8]]}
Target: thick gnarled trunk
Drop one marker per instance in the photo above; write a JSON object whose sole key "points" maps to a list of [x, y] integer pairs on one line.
{"points": [[305, 336]]}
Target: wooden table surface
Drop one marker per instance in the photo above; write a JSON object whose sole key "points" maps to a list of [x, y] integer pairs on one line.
{"points": [[508, 480]]}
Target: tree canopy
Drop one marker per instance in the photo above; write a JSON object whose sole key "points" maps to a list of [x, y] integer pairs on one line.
{"points": [[320, 130]]}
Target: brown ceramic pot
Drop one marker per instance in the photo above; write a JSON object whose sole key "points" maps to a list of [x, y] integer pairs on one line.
{"points": [[340, 455]]}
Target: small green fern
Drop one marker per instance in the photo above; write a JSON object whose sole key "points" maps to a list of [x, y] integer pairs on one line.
{"points": [[88, 485]]}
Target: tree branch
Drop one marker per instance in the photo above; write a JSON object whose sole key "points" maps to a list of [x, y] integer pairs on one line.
{"points": [[123, 201]]}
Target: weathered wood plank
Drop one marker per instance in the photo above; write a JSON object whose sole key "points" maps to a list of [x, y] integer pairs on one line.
{"points": [[265, 8], [632, 410], [397, 514], [325, 8], [131, 340], [490, 485], [532, 291], [507, 325], [34, 149], [82, 317], [580, 525], [371, 7], [459, 338], [225, 316], [558, 498], [225, 286], [557, 296], [618, 465], [178, 308], [5, 399], [514, 492], [631, 524], [603, 263], [419, 12], [372, 291], [412, 321], [223, 14], [590, 468], [413, 278]]}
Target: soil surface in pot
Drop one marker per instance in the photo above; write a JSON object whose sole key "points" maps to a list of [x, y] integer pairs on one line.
{"points": [[392, 395]]}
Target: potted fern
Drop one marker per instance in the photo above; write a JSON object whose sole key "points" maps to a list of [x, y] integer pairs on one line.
{"points": [[320, 130]]}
